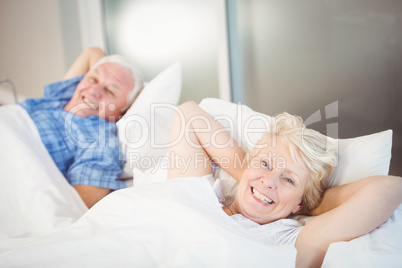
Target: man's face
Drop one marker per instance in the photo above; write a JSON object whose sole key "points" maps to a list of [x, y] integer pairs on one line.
{"points": [[102, 92]]}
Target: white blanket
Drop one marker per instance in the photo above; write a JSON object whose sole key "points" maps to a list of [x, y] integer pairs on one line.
{"points": [[177, 223], [35, 198]]}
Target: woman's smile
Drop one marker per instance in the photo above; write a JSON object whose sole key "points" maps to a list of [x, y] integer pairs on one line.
{"points": [[260, 197]]}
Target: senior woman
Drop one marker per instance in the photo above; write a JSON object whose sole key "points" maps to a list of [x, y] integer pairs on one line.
{"points": [[285, 174]]}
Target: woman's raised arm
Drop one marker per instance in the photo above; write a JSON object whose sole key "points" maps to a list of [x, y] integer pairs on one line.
{"points": [[347, 212], [196, 139]]}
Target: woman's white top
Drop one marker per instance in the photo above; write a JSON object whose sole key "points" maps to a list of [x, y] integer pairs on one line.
{"points": [[280, 232]]}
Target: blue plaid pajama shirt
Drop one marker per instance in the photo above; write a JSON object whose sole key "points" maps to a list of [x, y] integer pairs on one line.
{"points": [[85, 150]]}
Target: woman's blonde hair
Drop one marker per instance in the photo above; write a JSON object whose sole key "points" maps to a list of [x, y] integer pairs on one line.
{"points": [[315, 150]]}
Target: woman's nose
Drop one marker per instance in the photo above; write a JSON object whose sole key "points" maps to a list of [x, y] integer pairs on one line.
{"points": [[270, 181]]}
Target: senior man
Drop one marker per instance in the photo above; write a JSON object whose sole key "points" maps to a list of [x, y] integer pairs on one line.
{"points": [[76, 121]]}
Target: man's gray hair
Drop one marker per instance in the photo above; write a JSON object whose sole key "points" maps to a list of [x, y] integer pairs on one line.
{"points": [[135, 73]]}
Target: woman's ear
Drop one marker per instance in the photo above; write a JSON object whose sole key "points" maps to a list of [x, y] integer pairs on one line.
{"points": [[297, 208]]}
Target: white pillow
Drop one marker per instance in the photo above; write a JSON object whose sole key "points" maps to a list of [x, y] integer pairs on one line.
{"points": [[146, 124], [358, 157], [147, 146], [361, 157], [164, 88]]}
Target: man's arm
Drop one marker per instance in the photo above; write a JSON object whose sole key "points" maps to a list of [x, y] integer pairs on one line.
{"points": [[347, 212], [84, 62], [91, 194]]}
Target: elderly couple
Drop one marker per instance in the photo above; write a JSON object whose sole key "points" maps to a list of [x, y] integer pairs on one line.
{"points": [[98, 89]]}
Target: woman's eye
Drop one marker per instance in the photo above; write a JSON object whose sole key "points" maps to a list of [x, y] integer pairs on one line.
{"points": [[266, 165], [289, 180]]}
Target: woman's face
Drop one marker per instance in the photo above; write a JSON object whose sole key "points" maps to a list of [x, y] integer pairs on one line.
{"points": [[273, 185]]}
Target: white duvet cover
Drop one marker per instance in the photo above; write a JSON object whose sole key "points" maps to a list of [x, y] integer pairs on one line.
{"points": [[177, 223]]}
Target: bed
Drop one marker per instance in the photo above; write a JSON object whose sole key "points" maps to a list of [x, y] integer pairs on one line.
{"points": [[155, 222]]}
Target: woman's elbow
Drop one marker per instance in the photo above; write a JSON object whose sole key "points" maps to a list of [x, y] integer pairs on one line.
{"points": [[392, 189], [397, 183]]}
